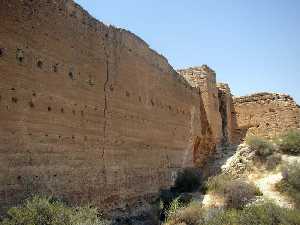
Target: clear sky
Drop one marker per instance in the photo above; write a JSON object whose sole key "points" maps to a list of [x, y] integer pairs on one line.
{"points": [[254, 45]]}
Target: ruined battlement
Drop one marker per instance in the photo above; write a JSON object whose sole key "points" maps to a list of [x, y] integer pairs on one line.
{"points": [[224, 88], [199, 76], [266, 114], [262, 97]]}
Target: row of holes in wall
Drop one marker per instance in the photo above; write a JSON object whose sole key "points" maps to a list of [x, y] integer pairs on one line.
{"points": [[93, 141], [94, 25], [58, 136], [20, 57], [82, 111], [90, 81], [31, 104]]}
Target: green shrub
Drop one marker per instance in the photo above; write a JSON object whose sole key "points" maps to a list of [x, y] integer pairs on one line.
{"points": [[292, 175], [218, 184], [262, 147], [289, 142], [193, 214], [188, 180], [290, 183], [237, 193], [46, 211], [265, 213], [173, 208], [227, 217], [258, 214]]}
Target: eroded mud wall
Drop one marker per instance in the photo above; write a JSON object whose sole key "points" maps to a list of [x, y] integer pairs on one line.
{"points": [[88, 113], [265, 114]]}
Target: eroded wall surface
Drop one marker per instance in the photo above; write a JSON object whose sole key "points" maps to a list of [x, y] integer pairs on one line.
{"points": [[88, 113], [265, 114]]}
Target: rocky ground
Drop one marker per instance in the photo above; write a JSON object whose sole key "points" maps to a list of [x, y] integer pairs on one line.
{"points": [[238, 162]]}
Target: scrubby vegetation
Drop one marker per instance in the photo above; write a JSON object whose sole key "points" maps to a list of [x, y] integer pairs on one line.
{"points": [[263, 148], [191, 214], [240, 204], [218, 184], [289, 142], [266, 152], [174, 207], [188, 180], [236, 192], [47, 211], [239, 193], [290, 183], [255, 214]]}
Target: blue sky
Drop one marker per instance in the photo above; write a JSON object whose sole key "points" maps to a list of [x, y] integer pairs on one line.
{"points": [[254, 45]]}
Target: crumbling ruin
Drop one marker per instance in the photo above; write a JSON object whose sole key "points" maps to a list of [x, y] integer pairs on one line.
{"points": [[90, 113], [265, 114]]}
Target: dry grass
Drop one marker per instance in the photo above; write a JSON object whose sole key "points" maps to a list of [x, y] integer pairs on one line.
{"points": [[191, 215], [289, 142], [236, 192], [290, 184]]}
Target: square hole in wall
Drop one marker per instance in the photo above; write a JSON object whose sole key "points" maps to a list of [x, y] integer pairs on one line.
{"points": [[20, 55], [71, 75], [55, 68], [39, 64]]}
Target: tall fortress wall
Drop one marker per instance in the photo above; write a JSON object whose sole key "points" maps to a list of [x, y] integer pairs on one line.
{"points": [[89, 113]]}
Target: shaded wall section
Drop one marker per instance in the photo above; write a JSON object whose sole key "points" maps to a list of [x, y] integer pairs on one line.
{"points": [[88, 113], [227, 112]]}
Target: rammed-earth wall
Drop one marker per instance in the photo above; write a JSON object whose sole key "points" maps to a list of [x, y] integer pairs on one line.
{"points": [[265, 114], [88, 113]]}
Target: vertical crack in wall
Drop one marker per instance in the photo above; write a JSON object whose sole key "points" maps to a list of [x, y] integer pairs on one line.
{"points": [[105, 109]]}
